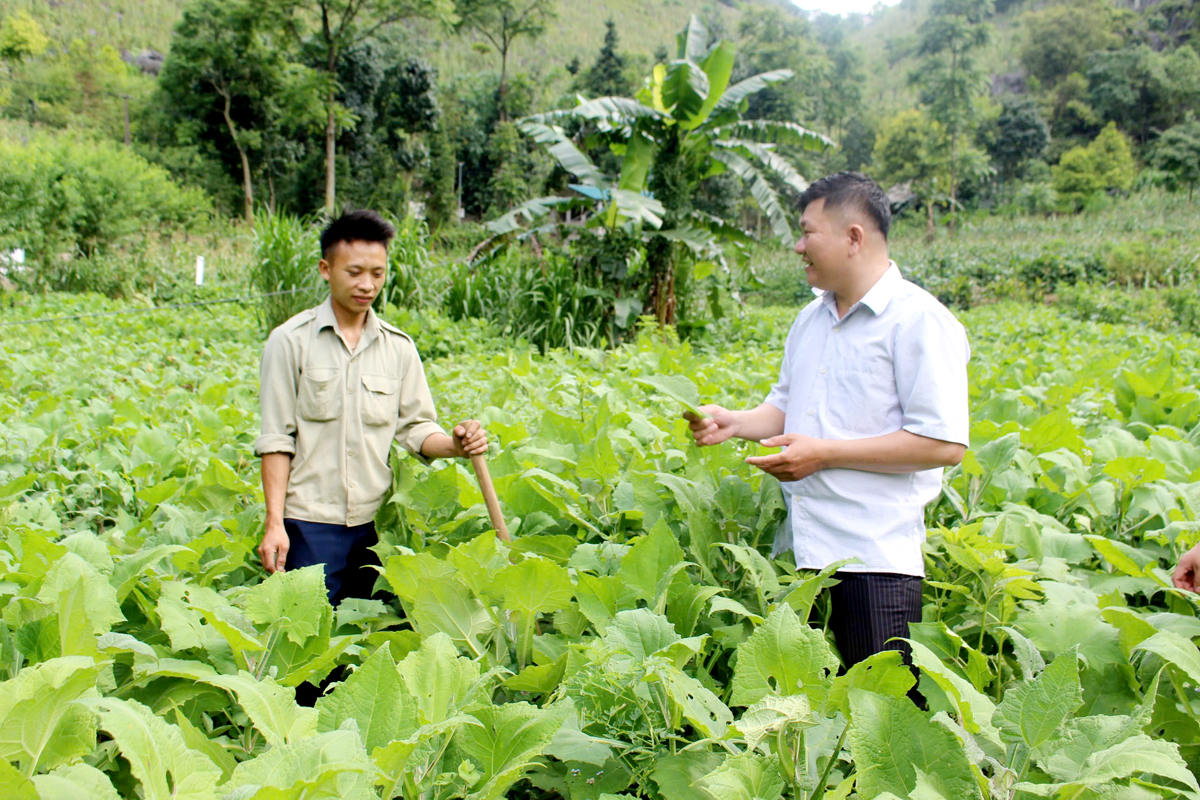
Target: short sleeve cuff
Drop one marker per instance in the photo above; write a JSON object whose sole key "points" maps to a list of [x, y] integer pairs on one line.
{"points": [[778, 399], [274, 443], [943, 433], [414, 437]]}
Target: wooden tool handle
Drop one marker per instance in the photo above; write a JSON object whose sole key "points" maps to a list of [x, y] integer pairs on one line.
{"points": [[479, 462]]}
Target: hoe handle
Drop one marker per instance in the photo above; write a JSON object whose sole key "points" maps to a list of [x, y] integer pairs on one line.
{"points": [[489, 496]]}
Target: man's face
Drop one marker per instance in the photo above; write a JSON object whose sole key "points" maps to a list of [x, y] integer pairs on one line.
{"points": [[356, 272], [822, 245]]}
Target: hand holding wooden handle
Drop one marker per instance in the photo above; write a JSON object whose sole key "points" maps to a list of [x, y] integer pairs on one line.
{"points": [[479, 462]]}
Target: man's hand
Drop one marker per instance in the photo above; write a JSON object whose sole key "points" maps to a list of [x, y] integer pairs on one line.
{"points": [[719, 425], [1186, 573], [470, 439], [801, 457], [274, 548]]}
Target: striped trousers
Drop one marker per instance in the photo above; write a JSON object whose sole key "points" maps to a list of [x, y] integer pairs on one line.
{"points": [[868, 608]]}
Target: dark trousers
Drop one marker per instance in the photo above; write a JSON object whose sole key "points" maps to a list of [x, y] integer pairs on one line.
{"points": [[344, 552], [867, 609]]}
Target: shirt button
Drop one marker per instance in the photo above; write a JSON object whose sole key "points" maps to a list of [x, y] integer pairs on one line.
{"points": [[837, 330], [350, 390], [350, 454], [811, 412], [823, 370], [350, 485]]}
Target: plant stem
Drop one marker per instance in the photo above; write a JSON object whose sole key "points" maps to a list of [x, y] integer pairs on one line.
{"points": [[837, 750]]}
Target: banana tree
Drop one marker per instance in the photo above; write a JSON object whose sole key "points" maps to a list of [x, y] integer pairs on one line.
{"points": [[683, 126]]}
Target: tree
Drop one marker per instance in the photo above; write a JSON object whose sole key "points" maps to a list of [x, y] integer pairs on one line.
{"points": [[226, 59], [340, 26], [607, 76], [684, 126], [949, 77], [21, 37], [1177, 153], [910, 150], [1106, 164], [1016, 136], [501, 23], [441, 205], [1061, 37]]}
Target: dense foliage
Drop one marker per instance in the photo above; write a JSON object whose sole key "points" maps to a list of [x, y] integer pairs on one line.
{"points": [[633, 638]]}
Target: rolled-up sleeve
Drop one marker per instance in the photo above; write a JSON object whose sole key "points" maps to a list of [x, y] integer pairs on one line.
{"points": [[418, 417], [277, 397], [931, 355]]}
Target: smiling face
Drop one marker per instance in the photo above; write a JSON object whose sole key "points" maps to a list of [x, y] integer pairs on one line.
{"points": [[822, 246], [355, 272]]}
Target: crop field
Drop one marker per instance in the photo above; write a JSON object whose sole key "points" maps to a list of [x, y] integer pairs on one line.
{"points": [[634, 639]]}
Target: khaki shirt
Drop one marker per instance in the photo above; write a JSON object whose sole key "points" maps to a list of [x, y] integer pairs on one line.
{"points": [[337, 411]]}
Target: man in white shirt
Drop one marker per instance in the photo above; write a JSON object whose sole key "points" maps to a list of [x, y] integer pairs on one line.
{"points": [[871, 404]]}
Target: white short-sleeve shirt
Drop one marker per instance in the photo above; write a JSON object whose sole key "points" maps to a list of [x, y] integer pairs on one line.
{"points": [[896, 361]]}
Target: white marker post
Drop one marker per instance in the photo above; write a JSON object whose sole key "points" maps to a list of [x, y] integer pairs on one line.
{"points": [[199, 270]]}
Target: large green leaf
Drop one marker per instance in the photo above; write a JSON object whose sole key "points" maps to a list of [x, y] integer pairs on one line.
{"points": [[376, 698], [1175, 649], [697, 704], [293, 601], [75, 782], [569, 157], [718, 66], [748, 776], [974, 709], [271, 707], [692, 42], [1032, 712], [681, 776], [437, 678], [164, 765], [41, 724], [772, 713], [761, 190], [534, 586], [649, 560], [890, 740], [328, 765], [641, 633], [735, 94], [783, 656], [776, 132], [85, 601], [504, 745], [766, 154]]}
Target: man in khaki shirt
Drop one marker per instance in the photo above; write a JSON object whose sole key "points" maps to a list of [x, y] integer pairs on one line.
{"points": [[338, 386]]}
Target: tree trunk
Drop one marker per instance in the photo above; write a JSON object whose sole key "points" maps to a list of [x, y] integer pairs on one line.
{"points": [[330, 157], [930, 228], [503, 83], [247, 183]]}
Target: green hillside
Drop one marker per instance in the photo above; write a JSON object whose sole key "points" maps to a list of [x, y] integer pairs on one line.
{"points": [[136, 25]]}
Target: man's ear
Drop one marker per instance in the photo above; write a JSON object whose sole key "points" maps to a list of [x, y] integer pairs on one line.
{"points": [[857, 236], [323, 267]]}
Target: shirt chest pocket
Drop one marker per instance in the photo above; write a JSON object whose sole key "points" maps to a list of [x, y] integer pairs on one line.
{"points": [[381, 400], [320, 396], [861, 393]]}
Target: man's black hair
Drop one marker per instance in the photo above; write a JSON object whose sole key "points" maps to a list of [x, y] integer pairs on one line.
{"points": [[363, 225], [851, 190]]}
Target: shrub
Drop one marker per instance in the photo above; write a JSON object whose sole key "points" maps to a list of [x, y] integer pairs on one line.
{"points": [[286, 251], [545, 300], [1106, 164], [64, 194]]}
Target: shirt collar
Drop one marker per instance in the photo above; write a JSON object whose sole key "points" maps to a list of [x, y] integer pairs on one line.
{"points": [[876, 298], [327, 319]]}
